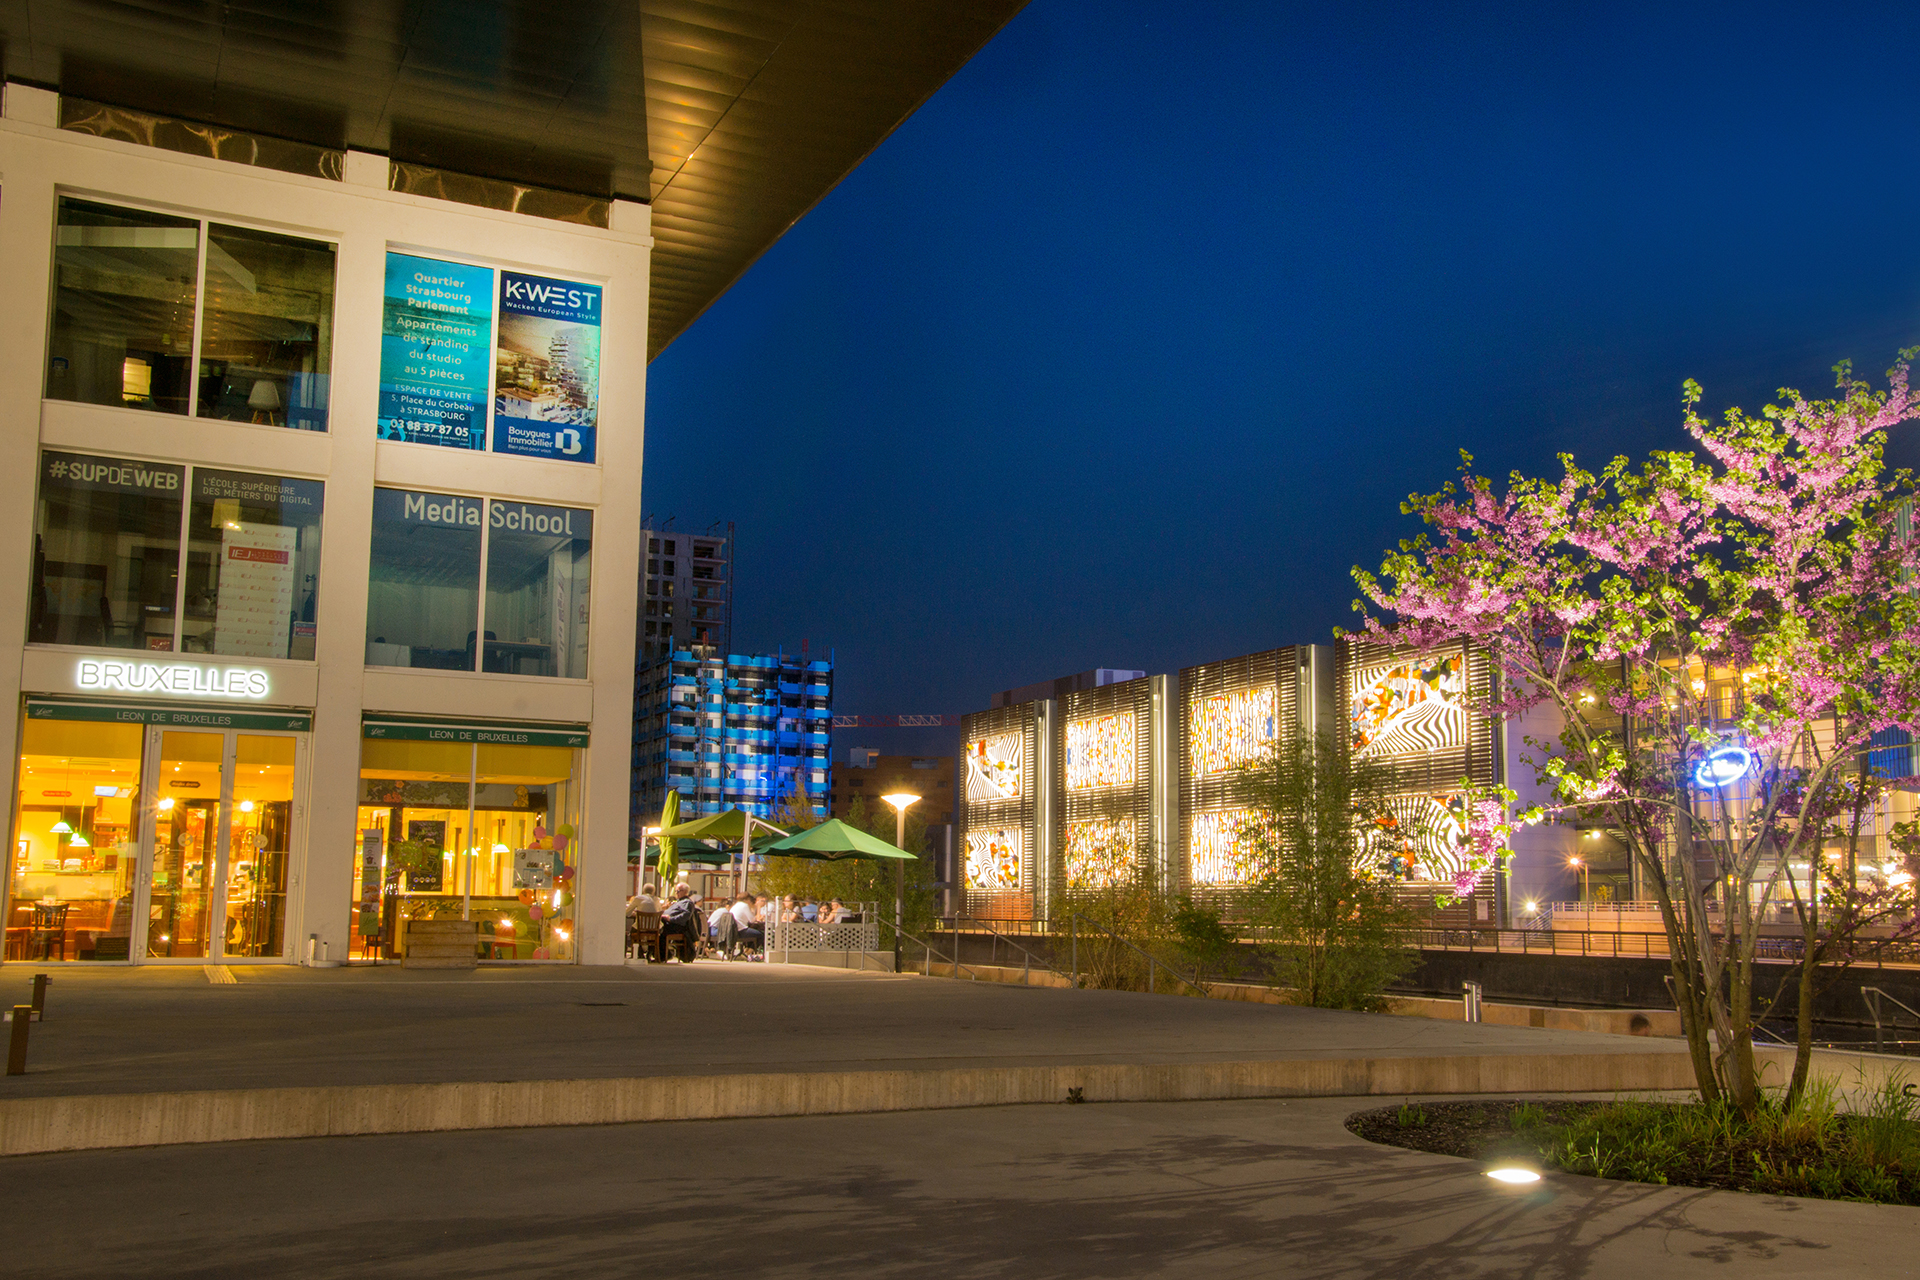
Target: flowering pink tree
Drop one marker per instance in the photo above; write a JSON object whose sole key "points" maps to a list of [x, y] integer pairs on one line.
{"points": [[1721, 637]]}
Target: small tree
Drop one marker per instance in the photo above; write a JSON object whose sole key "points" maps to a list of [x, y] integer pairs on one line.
{"points": [[1336, 921], [1721, 639]]}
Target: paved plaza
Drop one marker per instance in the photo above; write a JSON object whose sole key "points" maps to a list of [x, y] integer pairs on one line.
{"points": [[1218, 1190], [159, 1029]]}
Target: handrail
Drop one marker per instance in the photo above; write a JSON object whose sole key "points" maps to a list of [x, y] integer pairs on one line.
{"points": [[1193, 982], [1871, 997], [1026, 970]]}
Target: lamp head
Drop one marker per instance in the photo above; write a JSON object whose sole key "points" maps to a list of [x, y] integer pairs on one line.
{"points": [[265, 395], [900, 800]]}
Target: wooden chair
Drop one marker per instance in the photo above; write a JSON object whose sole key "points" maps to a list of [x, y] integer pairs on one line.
{"points": [[49, 928], [643, 937]]}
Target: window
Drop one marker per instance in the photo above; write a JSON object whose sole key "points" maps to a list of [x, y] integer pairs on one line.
{"points": [[488, 830], [106, 552], [705, 551], [253, 565], [424, 599], [267, 320], [423, 590], [106, 558], [653, 545], [669, 551], [539, 578], [76, 837], [653, 566], [125, 286], [669, 568]]}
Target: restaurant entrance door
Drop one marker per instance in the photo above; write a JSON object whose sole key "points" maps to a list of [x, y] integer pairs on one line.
{"points": [[220, 844]]}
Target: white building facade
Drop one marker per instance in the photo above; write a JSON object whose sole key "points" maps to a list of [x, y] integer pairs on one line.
{"points": [[318, 611]]}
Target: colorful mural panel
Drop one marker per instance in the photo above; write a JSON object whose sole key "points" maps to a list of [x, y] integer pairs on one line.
{"points": [[1228, 730], [994, 860], [1408, 706], [1421, 838], [1223, 848], [1100, 853], [996, 766], [1100, 752]]}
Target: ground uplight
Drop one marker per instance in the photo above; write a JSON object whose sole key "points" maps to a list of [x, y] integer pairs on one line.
{"points": [[1515, 1176]]}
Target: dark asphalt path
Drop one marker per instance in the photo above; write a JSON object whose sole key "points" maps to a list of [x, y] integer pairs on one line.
{"points": [[1215, 1190]]}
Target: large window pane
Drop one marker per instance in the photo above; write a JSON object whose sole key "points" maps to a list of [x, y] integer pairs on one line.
{"points": [[186, 845], [268, 321], [502, 851], [75, 841], [259, 843], [423, 590], [106, 552], [539, 567], [253, 565], [123, 284]]}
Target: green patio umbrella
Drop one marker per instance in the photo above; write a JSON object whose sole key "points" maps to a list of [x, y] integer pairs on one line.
{"points": [[834, 839], [669, 864], [734, 824], [692, 851]]}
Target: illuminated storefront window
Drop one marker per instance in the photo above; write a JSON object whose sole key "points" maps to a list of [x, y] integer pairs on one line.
{"points": [[75, 841], [476, 830]]}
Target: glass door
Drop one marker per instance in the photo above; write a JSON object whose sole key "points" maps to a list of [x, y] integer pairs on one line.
{"points": [[259, 845], [186, 843], [222, 841]]}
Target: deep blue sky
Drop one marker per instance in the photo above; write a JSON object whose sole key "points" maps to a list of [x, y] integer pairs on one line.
{"points": [[1123, 350]]}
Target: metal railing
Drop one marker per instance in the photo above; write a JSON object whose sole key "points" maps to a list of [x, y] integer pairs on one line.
{"points": [[1875, 1000], [1075, 920]]}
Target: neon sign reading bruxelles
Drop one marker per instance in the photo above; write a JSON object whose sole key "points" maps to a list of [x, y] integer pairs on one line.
{"points": [[179, 679]]}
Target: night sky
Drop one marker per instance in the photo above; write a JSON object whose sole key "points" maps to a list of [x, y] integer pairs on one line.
{"points": [[1123, 350]]}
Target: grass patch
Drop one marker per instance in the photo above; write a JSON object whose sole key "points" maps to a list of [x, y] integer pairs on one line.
{"points": [[1814, 1149]]}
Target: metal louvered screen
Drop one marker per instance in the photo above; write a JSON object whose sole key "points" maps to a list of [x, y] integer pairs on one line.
{"points": [[989, 816], [1408, 711], [1105, 799], [1220, 729]]}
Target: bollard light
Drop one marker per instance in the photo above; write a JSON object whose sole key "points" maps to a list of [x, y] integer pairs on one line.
{"points": [[1513, 1176]]}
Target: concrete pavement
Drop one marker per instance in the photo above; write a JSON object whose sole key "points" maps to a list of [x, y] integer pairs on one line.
{"points": [[1217, 1190], [157, 1029]]}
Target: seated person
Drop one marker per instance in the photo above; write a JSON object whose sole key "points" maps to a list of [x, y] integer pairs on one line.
{"points": [[789, 909], [836, 913], [681, 919], [726, 929], [810, 912], [644, 903], [746, 929]]}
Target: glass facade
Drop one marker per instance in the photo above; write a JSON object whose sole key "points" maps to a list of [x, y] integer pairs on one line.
{"points": [[424, 601], [125, 286], [123, 290], [423, 586], [106, 558], [539, 574], [75, 841], [253, 565], [467, 830], [106, 552], [268, 320]]}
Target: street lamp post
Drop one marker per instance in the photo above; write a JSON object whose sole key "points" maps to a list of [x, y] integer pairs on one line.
{"points": [[899, 800], [1586, 887]]}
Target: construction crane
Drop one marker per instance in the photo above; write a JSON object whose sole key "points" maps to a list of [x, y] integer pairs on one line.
{"points": [[894, 722]]}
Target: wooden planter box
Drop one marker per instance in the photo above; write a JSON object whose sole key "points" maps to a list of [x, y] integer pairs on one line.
{"points": [[442, 944]]}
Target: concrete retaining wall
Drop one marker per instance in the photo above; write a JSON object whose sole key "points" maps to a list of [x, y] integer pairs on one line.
{"points": [[30, 1125]]}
